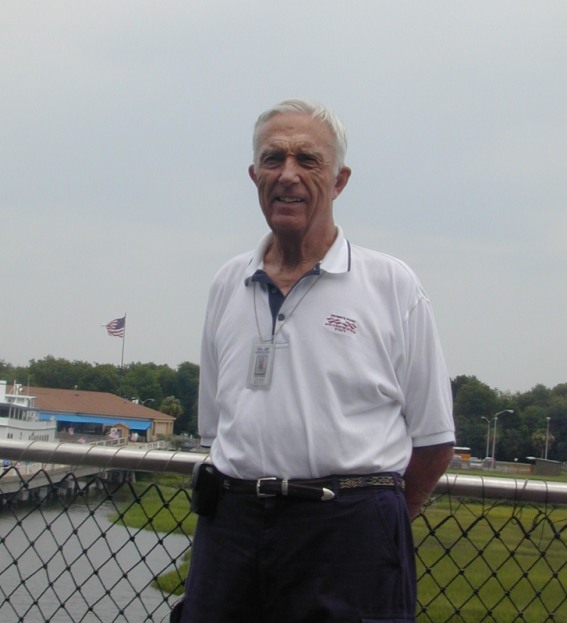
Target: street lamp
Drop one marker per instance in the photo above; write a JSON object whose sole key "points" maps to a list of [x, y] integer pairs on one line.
{"points": [[495, 418], [489, 422], [547, 437]]}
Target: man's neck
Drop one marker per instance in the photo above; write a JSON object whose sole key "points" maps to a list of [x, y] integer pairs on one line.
{"points": [[287, 259]]}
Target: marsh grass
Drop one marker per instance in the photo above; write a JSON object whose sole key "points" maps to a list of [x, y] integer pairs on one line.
{"points": [[173, 582], [477, 562], [499, 563], [161, 503]]}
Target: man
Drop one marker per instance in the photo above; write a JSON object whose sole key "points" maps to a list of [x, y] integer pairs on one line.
{"points": [[322, 384]]}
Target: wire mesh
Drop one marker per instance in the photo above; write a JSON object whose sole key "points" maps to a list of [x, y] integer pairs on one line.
{"points": [[491, 561], [110, 548], [92, 551]]}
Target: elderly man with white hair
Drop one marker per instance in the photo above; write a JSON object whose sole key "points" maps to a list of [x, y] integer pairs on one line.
{"points": [[325, 400]]}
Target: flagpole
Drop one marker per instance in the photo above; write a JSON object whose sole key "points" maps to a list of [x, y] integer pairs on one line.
{"points": [[123, 340], [117, 328]]}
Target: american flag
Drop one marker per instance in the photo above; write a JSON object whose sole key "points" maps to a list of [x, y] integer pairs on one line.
{"points": [[117, 327]]}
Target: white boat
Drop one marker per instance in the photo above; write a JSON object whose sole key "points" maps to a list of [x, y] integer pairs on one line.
{"points": [[19, 419]]}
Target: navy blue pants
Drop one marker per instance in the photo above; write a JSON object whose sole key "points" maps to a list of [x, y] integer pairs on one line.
{"points": [[280, 560]]}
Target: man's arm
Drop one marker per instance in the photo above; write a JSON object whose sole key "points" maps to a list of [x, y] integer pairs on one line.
{"points": [[426, 466]]}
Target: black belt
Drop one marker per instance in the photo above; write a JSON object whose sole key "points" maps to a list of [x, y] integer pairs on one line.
{"points": [[322, 489]]}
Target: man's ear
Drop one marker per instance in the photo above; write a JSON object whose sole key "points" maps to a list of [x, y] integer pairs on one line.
{"points": [[252, 173], [341, 181]]}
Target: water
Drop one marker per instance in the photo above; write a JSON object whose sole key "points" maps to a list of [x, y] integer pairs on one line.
{"points": [[76, 566]]}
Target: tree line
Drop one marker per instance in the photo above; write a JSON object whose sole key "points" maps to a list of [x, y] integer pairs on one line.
{"points": [[528, 422], [160, 387], [538, 420]]}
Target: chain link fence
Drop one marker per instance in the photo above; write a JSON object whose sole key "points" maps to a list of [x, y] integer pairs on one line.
{"points": [[494, 552], [109, 539]]}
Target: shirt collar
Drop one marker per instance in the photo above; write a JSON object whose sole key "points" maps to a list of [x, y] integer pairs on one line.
{"points": [[337, 259]]}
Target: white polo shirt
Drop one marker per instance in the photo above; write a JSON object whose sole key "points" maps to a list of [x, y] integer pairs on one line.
{"points": [[358, 374]]}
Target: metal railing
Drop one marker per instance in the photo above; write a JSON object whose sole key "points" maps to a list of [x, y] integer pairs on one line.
{"points": [[94, 543]]}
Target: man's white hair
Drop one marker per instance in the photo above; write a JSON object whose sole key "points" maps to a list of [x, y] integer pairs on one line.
{"points": [[316, 111]]}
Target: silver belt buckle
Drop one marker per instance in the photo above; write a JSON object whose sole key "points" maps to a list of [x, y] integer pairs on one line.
{"points": [[258, 485]]}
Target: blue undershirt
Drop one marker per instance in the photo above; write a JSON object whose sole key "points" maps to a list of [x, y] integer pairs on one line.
{"points": [[275, 295]]}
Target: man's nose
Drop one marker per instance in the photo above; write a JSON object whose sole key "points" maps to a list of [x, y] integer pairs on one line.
{"points": [[289, 171]]}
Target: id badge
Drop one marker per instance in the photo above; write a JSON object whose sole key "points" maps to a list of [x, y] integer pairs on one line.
{"points": [[261, 365]]}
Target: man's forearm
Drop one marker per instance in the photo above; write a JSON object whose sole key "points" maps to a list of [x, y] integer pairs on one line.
{"points": [[426, 466]]}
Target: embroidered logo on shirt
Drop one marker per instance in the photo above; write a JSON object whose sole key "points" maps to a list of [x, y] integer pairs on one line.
{"points": [[341, 324]]}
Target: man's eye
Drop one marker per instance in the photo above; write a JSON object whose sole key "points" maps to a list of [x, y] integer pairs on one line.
{"points": [[307, 160], [271, 160]]}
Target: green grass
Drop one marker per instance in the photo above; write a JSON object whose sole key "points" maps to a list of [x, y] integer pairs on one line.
{"points": [[173, 582], [163, 506], [479, 563]]}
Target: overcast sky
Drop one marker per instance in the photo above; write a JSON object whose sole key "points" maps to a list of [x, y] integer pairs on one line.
{"points": [[125, 137]]}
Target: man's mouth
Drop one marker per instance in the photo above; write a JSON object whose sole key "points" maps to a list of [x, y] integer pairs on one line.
{"points": [[285, 199]]}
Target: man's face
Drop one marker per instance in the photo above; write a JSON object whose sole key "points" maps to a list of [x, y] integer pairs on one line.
{"points": [[296, 174]]}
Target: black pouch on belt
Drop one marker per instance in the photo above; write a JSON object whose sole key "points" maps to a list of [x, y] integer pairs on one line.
{"points": [[206, 484]]}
